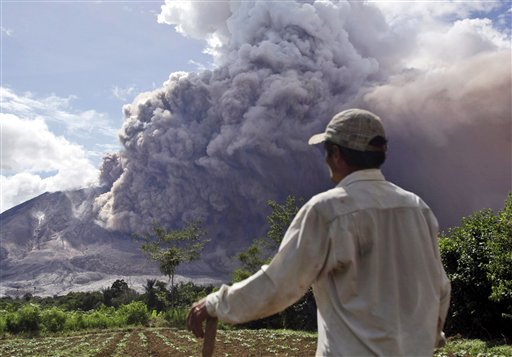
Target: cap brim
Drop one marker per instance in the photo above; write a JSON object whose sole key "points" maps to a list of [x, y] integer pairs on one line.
{"points": [[316, 139]]}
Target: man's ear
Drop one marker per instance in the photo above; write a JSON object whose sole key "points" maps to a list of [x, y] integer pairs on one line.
{"points": [[336, 153]]}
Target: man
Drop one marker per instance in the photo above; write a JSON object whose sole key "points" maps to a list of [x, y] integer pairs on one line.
{"points": [[367, 247]]}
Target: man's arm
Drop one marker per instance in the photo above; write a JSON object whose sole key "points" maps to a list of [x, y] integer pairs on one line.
{"points": [[291, 272]]}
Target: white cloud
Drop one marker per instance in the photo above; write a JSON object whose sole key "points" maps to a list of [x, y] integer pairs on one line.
{"points": [[57, 110], [125, 94], [6, 31], [441, 32], [420, 10], [205, 20], [465, 38], [34, 161]]}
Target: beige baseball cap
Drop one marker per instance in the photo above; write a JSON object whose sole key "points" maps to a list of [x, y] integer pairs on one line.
{"points": [[353, 129]]}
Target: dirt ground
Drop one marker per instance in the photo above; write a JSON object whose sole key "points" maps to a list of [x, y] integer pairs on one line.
{"points": [[156, 342]]}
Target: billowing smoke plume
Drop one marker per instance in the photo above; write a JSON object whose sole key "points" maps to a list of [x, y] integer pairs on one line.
{"points": [[451, 133], [216, 145]]}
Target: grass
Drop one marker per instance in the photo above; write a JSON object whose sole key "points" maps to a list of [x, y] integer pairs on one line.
{"points": [[460, 347]]}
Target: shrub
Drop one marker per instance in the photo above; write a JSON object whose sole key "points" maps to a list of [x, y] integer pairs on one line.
{"points": [[3, 322], [53, 319], [74, 321], [84, 301], [96, 319], [135, 313], [119, 294], [177, 317], [302, 315], [27, 319], [477, 257]]}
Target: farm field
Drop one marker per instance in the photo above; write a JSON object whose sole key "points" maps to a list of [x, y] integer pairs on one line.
{"points": [[153, 341], [146, 342]]}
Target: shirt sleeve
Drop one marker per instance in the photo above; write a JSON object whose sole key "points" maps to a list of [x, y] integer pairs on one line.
{"points": [[274, 287]]}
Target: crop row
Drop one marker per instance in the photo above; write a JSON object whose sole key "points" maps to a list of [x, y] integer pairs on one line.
{"points": [[159, 342]]}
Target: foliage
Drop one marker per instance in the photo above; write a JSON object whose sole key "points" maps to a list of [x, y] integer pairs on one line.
{"points": [[179, 342], [52, 314], [477, 256], [53, 319], [281, 217], [97, 320], [172, 248], [135, 313], [262, 249], [118, 294], [177, 317], [302, 314], [102, 318], [27, 320], [185, 294], [472, 347], [155, 295], [3, 322]]}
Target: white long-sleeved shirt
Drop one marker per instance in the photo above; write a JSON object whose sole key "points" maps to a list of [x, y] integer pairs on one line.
{"points": [[370, 251]]}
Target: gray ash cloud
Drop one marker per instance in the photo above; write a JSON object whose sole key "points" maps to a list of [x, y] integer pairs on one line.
{"points": [[217, 144]]}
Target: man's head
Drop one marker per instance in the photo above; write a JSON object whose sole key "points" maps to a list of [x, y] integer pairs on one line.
{"points": [[354, 140]]}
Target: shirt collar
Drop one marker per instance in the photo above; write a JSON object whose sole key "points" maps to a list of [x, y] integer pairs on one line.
{"points": [[362, 175]]}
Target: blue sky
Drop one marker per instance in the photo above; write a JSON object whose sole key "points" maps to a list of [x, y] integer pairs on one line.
{"points": [[74, 65]]}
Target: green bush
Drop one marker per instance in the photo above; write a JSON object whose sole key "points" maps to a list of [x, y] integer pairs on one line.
{"points": [[75, 321], [97, 320], [53, 319], [11, 322], [3, 322], [135, 313], [177, 317], [26, 320], [84, 301], [477, 257]]}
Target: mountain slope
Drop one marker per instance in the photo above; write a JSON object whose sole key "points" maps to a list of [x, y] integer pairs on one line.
{"points": [[53, 244]]}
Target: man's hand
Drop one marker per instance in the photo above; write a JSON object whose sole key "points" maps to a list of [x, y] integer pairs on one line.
{"points": [[195, 318], [197, 315]]}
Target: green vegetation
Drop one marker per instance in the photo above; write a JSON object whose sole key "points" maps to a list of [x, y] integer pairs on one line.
{"points": [[262, 249], [302, 314], [459, 347], [172, 248], [158, 341], [67, 313], [477, 257]]}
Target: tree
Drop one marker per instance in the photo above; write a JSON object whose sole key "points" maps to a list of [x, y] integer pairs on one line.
{"points": [[118, 294], [172, 248], [477, 256], [156, 295], [261, 250]]}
